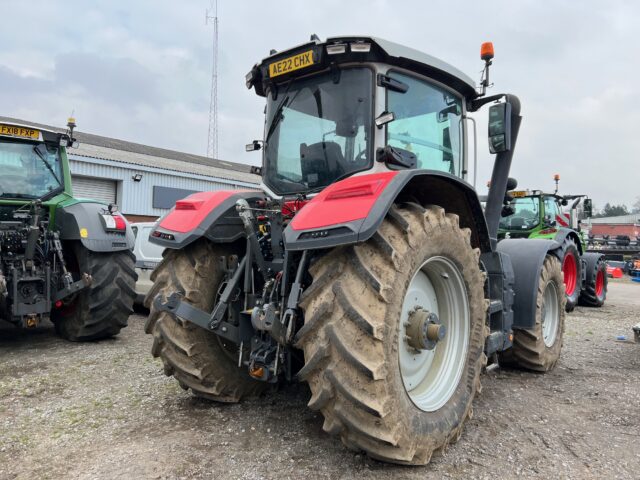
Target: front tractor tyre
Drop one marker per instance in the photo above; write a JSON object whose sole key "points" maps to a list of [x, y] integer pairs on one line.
{"points": [[538, 348], [102, 309], [199, 360], [393, 336]]}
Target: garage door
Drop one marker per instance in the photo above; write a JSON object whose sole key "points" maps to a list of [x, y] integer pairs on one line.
{"points": [[94, 188]]}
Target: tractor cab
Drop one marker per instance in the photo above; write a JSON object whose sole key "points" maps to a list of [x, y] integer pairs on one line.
{"points": [[529, 212], [352, 105], [534, 214], [31, 163]]}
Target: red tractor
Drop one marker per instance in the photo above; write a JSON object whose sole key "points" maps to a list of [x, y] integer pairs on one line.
{"points": [[365, 266]]}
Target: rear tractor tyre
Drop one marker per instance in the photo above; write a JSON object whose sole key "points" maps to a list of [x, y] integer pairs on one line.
{"points": [[102, 309], [538, 349], [377, 385], [197, 359], [595, 289], [572, 272]]}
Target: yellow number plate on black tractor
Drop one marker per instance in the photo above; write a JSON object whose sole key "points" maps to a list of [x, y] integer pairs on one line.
{"points": [[22, 132], [290, 64]]}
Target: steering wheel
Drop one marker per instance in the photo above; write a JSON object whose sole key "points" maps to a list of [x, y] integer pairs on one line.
{"points": [[360, 156]]}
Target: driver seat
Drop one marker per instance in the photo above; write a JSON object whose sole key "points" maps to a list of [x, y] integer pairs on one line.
{"points": [[321, 163], [517, 222]]}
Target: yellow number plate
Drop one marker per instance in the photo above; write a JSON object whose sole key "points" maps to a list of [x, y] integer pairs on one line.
{"points": [[518, 193], [23, 132], [290, 64]]}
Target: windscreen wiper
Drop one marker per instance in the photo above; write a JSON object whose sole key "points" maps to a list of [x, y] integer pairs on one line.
{"points": [[278, 117], [44, 160]]}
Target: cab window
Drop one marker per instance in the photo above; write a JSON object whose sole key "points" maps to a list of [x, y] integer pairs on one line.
{"points": [[550, 208], [428, 123]]}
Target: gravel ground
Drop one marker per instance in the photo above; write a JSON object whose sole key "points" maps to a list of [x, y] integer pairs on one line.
{"points": [[105, 410]]}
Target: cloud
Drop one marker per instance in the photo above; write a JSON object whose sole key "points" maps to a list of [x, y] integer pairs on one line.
{"points": [[141, 71], [120, 81]]}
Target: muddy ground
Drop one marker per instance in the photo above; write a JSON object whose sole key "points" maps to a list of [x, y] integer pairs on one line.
{"points": [[105, 410]]}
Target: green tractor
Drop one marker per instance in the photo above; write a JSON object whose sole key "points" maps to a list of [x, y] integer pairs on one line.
{"points": [[550, 216], [62, 259]]}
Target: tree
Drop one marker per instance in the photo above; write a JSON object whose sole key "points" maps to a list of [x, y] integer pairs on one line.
{"points": [[636, 206], [612, 210]]}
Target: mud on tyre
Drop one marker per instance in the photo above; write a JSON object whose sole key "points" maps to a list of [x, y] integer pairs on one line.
{"points": [[538, 349], [355, 326], [198, 360], [102, 309]]}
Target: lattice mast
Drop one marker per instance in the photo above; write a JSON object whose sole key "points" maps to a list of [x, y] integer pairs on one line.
{"points": [[211, 18]]}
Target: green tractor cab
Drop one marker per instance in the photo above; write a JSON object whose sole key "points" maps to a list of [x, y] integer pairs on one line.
{"points": [[61, 258], [534, 214]]}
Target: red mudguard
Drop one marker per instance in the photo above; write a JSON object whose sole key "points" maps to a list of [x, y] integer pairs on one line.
{"points": [[205, 214], [343, 202], [191, 211]]}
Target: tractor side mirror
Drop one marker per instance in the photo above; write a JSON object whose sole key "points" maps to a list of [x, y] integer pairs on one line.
{"points": [[253, 146], [587, 206], [396, 157], [500, 127]]}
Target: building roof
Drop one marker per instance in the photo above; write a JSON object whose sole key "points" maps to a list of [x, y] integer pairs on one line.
{"points": [[633, 218], [97, 146]]}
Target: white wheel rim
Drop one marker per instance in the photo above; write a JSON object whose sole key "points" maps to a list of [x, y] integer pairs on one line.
{"points": [[430, 377], [550, 314]]}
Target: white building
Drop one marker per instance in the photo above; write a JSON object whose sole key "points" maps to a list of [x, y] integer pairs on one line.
{"points": [[144, 181]]}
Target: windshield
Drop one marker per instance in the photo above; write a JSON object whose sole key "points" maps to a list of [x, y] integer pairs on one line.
{"points": [[319, 130], [526, 215], [29, 170]]}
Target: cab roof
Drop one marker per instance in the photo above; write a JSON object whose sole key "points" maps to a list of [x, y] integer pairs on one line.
{"points": [[33, 126], [25, 131], [381, 50]]}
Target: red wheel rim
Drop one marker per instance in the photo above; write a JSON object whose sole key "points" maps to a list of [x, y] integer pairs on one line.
{"points": [[599, 283], [570, 271]]}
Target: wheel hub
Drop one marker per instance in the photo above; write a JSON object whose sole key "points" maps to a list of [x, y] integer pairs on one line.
{"points": [[424, 329], [435, 314]]}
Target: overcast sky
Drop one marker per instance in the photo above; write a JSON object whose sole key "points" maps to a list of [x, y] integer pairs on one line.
{"points": [[140, 71]]}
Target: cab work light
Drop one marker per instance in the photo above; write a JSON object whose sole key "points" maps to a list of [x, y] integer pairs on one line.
{"points": [[360, 47], [336, 48]]}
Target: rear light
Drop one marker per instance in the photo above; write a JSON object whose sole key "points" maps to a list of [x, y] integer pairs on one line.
{"points": [[121, 224], [114, 223], [548, 231], [162, 235]]}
